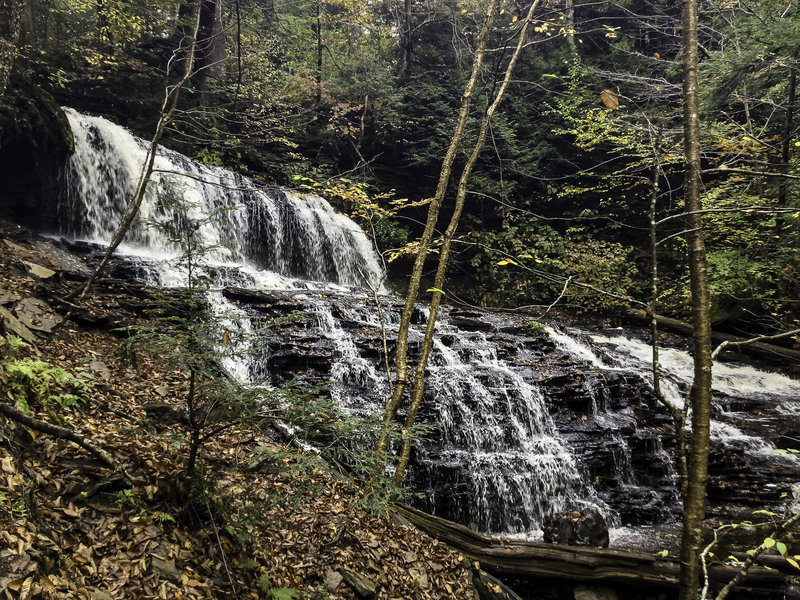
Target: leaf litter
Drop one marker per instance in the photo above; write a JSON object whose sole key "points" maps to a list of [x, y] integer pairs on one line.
{"points": [[271, 529]]}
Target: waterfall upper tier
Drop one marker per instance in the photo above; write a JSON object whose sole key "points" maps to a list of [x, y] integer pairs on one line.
{"points": [[266, 230]]}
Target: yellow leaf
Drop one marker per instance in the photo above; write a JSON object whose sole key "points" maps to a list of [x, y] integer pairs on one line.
{"points": [[514, 20], [610, 99], [463, 11], [793, 562]]}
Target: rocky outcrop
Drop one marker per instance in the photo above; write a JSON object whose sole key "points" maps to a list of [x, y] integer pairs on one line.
{"points": [[35, 142]]}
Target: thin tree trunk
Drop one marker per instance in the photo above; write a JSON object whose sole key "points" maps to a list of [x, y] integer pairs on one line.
{"points": [[319, 53], [418, 388], [570, 10], [267, 8], [132, 209], [63, 433], [678, 419], [405, 41], [10, 21], [694, 502], [788, 129], [401, 356]]}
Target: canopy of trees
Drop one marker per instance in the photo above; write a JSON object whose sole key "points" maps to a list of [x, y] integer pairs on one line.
{"points": [[361, 97]]}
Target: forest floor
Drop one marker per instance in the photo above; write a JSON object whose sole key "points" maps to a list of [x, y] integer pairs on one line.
{"points": [[270, 522]]}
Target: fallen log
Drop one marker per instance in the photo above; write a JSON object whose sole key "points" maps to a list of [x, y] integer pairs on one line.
{"points": [[760, 349], [577, 563]]}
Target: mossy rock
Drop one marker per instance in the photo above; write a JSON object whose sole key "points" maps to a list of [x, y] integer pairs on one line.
{"points": [[35, 143]]}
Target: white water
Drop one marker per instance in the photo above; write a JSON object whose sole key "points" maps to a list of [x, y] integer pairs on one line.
{"points": [[631, 355], [276, 234], [493, 428]]}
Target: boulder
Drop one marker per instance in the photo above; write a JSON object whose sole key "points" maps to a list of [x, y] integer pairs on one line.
{"points": [[577, 528]]}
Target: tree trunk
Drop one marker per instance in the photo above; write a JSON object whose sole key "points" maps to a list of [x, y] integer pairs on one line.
{"points": [[694, 502], [405, 41], [570, 14], [267, 8], [210, 51], [418, 388], [401, 358], [10, 19], [512, 558], [318, 31], [788, 130]]}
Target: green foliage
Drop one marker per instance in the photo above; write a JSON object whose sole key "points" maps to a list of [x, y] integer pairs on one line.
{"points": [[11, 346], [31, 381], [342, 438], [265, 585], [528, 261], [126, 499], [535, 328]]}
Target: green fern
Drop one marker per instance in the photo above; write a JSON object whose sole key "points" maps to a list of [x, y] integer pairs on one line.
{"points": [[40, 381]]}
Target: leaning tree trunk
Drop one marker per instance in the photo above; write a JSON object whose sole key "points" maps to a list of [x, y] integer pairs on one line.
{"points": [[418, 387], [401, 355], [694, 502], [10, 21]]}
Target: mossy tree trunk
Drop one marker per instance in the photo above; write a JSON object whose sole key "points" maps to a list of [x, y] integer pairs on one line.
{"points": [[401, 357], [418, 387]]}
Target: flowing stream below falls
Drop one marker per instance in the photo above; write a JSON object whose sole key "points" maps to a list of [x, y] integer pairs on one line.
{"points": [[525, 423]]}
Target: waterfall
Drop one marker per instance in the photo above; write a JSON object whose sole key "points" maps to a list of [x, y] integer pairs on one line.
{"points": [[266, 230], [524, 426]]}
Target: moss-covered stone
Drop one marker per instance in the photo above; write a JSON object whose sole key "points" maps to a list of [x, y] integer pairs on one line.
{"points": [[35, 143]]}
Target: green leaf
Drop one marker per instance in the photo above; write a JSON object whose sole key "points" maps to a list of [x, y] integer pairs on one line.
{"points": [[769, 542], [663, 553], [781, 548], [284, 594], [435, 290]]}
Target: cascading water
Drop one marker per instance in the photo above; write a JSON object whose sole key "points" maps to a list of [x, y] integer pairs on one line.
{"points": [[517, 438], [266, 231]]}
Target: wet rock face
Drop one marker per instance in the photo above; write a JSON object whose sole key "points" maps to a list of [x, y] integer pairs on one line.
{"points": [[35, 142], [577, 528]]}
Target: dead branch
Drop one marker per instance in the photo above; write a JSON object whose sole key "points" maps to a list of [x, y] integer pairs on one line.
{"points": [[66, 434]]}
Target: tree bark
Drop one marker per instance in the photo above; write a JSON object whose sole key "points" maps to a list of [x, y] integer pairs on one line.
{"points": [[694, 502], [401, 357], [405, 41], [570, 15], [510, 558], [10, 21], [65, 434], [267, 8], [318, 31]]}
